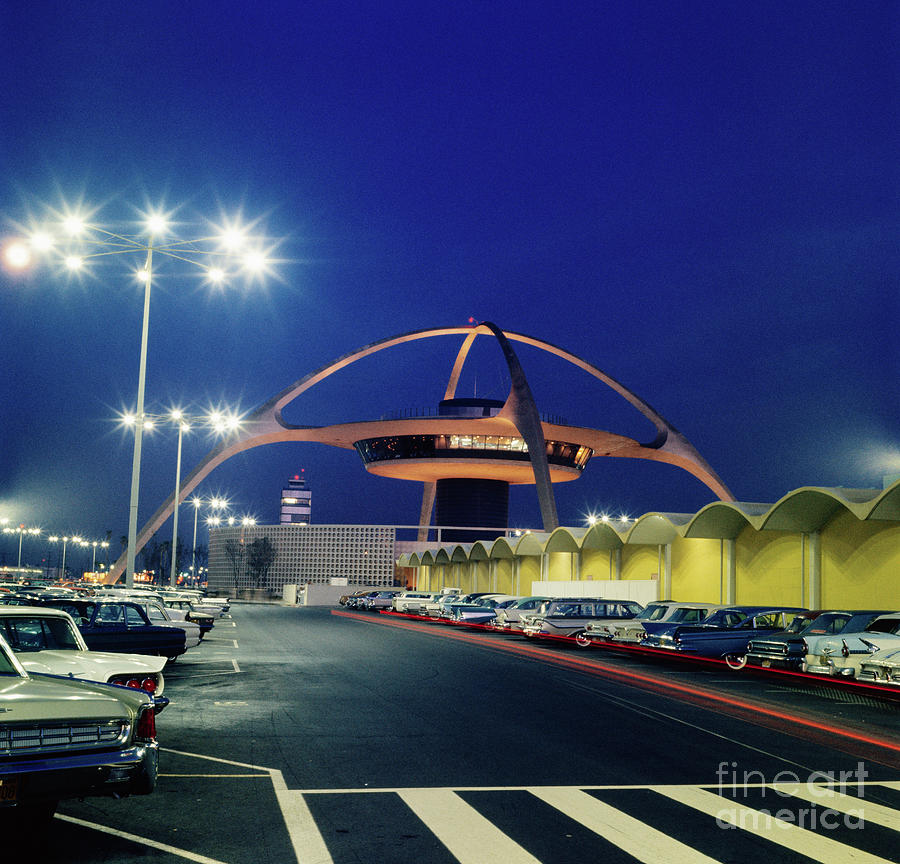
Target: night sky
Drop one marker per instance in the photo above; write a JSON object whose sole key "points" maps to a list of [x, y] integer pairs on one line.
{"points": [[701, 198]]}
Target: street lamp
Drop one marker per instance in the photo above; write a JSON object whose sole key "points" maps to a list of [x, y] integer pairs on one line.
{"points": [[215, 504], [21, 530], [65, 541], [220, 422], [76, 240]]}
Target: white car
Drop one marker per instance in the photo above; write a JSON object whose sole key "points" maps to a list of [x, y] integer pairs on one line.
{"points": [[413, 602], [509, 619], [163, 616], [881, 668], [655, 616], [843, 654], [46, 640]]}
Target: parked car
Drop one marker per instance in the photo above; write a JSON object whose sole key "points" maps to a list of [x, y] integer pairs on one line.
{"points": [[344, 599], [46, 640], [509, 619], [122, 626], [203, 619], [380, 600], [726, 632], [412, 602], [881, 668], [64, 738], [842, 655], [654, 617], [165, 617], [787, 650], [435, 608], [568, 616], [482, 610], [447, 609]]}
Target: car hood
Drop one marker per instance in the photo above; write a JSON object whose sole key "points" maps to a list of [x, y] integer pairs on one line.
{"points": [[93, 665], [44, 699]]}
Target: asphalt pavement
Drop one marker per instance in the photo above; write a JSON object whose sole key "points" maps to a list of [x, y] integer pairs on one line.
{"points": [[314, 735]]}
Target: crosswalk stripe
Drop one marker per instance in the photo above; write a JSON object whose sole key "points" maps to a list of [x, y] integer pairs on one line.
{"points": [[309, 847], [863, 808], [778, 831], [637, 838], [468, 836]]}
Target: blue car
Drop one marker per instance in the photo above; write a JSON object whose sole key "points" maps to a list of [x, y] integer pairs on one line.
{"points": [[121, 626], [726, 632]]}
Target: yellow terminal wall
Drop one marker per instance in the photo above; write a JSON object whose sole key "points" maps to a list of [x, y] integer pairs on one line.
{"points": [[697, 570], [768, 568], [860, 564], [640, 562]]}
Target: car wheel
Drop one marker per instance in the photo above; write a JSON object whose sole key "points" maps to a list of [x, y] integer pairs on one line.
{"points": [[736, 661], [582, 640]]}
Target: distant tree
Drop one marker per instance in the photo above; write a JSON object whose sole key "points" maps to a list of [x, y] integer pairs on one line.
{"points": [[261, 555], [234, 551]]}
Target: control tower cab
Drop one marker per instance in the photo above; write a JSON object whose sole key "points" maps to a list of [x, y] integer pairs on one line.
{"points": [[473, 459]]}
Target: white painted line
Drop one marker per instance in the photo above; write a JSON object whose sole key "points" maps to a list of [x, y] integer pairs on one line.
{"points": [[762, 824], [222, 776], [637, 838], [222, 761], [858, 808], [235, 642], [234, 663], [468, 836], [153, 844], [309, 846]]}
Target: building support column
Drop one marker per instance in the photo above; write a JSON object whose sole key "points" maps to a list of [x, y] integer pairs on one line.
{"points": [[815, 570], [576, 566], [667, 571], [617, 573], [730, 571], [803, 569]]}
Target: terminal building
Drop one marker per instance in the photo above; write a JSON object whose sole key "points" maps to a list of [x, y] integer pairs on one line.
{"points": [[815, 545]]}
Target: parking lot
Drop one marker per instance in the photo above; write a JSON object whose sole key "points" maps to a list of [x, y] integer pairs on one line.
{"points": [[300, 734]]}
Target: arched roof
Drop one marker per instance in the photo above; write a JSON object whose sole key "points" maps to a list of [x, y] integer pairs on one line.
{"points": [[803, 510]]}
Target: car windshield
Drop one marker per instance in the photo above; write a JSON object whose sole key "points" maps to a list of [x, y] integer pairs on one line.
{"points": [[885, 625], [653, 612], [830, 622], [724, 618], [799, 624], [39, 634], [687, 615]]}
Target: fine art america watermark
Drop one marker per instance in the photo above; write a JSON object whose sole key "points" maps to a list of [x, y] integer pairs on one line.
{"points": [[819, 794]]}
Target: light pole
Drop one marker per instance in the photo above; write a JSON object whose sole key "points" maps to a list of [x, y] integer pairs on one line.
{"points": [[21, 530], [219, 422], [215, 504], [75, 240]]}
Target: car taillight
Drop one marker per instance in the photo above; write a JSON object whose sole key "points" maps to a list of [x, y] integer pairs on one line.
{"points": [[146, 724], [148, 684]]}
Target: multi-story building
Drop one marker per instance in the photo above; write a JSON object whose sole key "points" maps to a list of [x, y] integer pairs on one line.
{"points": [[240, 558], [296, 502]]}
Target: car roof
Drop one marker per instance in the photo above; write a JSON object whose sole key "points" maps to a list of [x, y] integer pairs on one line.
{"points": [[23, 611]]}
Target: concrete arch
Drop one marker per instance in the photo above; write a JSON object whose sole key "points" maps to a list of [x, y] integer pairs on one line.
{"points": [[266, 424]]}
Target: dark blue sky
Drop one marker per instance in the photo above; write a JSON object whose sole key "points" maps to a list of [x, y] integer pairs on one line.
{"points": [[701, 198]]}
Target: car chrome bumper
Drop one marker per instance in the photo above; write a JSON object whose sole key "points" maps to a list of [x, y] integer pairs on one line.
{"points": [[132, 771]]}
